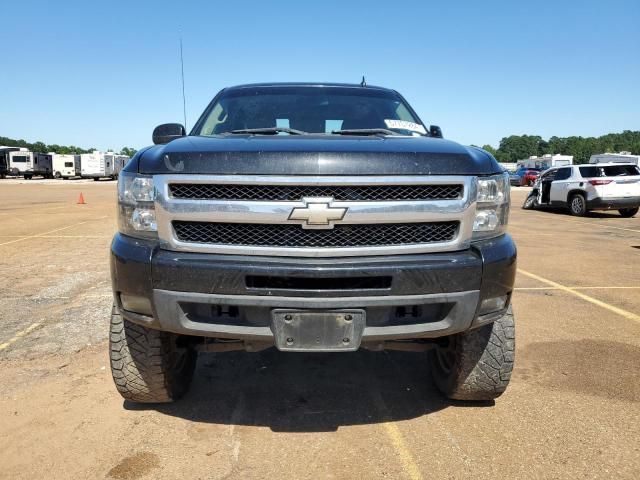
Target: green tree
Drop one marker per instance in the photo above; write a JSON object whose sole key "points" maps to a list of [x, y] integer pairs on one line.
{"points": [[128, 151], [490, 149], [39, 147], [518, 147]]}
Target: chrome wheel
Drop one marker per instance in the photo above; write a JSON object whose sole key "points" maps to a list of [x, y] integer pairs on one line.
{"points": [[578, 206]]}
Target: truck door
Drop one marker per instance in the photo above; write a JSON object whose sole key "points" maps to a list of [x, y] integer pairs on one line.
{"points": [[560, 185]]}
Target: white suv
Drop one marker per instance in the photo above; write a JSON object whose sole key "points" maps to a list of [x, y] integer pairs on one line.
{"points": [[580, 188]]}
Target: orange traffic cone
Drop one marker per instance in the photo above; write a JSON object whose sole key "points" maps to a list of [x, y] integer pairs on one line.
{"points": [[81, 199]]}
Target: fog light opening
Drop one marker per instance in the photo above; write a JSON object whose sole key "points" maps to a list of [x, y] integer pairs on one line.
{"points": [[136, 304], [494, 304]]}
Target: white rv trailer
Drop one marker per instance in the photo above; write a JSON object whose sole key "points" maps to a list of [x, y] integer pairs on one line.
{"points": [[4, 159], [29, 164], [65, 166], [546, 161], [97, 165], [622, 157], [119, 161]]}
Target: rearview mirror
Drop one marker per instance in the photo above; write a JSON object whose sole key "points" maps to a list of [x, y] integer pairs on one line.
{"points": [[168, 131], [435, 131]]}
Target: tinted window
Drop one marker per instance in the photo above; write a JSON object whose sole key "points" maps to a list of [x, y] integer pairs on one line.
{"points": [[609, 171], [68, 164], [620, 170], [563, 174], [20, 159], [310, 109], [588, 172]]}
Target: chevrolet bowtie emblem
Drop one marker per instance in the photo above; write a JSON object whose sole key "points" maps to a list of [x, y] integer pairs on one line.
{"points": [[318, 213]]}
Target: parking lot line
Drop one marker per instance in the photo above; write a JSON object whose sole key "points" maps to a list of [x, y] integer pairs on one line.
{"points": [[603, 226], [578, 288], [409, 464], [573, 291], [39, 235], [19, 335], [59, 236]]}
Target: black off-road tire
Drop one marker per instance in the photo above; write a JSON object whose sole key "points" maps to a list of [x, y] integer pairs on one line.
{"points": [[628, 212], [148, 366], [477, 364], [530, 202], [578, 205]]}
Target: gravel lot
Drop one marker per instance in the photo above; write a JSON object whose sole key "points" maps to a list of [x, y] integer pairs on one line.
{"points": [[572, 410]]}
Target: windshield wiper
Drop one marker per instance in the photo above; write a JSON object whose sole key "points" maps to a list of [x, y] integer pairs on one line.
{"points": [[365, 131], [269, 131]]}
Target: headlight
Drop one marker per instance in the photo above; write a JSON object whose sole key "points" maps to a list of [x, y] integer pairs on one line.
{"points": [[136, 210], [492, 209]]}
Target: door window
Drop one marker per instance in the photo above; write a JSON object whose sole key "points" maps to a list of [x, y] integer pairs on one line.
{"points": [[563, 174]]}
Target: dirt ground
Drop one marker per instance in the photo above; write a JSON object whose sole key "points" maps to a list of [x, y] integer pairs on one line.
{"points": [[571, 411]]}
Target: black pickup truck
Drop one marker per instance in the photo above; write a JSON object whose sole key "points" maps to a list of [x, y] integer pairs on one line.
{"points": [[311, 217]]}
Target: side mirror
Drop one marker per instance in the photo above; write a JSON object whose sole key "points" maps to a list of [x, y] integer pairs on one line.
{"points": [[435, 131], [168, 131]]}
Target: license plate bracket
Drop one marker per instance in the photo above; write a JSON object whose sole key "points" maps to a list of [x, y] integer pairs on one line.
{"points": [[318, 330]]}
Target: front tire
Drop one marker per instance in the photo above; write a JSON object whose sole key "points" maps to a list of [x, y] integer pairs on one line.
{"points": [[530, 202], [148, 366], [578, 205], [477, 364], [628, 212]]}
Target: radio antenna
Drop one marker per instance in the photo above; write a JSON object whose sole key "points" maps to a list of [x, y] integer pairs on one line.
{"points": [[184, 101]]}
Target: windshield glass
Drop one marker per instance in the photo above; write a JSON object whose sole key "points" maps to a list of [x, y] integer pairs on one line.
{"points": [[308, 109]]}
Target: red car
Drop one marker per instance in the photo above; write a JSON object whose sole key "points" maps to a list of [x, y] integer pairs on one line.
{"points": [[524, 176]]}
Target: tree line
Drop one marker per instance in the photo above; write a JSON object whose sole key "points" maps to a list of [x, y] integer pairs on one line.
{"points": [[519, 147], [511, 149], [40, 147]]}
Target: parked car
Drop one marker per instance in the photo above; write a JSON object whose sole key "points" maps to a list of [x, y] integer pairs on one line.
{"points": [[581, 188], [524, 176]]}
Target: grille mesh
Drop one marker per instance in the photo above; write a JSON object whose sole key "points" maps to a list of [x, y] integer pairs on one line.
{"points": [[297, 192], [290, 235]]}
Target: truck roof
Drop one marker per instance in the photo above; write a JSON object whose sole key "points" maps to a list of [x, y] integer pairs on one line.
{"points": [[309, 84]]}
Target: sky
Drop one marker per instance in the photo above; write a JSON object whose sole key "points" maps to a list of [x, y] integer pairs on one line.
{"points": [[104, 74]]}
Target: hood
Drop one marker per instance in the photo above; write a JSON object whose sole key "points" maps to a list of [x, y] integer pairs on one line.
{"points": [[315, 155]]}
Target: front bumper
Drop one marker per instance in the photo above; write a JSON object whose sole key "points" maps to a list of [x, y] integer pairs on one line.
{"points": [[613, 203], [421, 296]]}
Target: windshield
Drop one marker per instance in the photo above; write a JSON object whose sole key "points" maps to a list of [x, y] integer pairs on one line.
{"points": [[308, 109]]}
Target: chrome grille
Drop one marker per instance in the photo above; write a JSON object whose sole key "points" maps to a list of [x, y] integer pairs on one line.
{"points": [[288, 235], [253, 214], [199, 191]]}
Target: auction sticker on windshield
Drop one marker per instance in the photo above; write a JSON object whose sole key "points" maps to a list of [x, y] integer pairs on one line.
{"points": [[405, 125]]}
